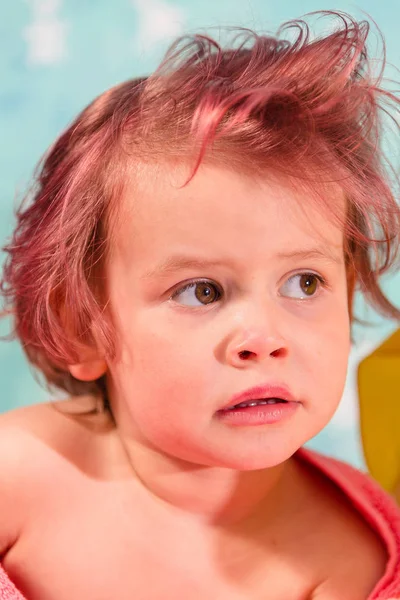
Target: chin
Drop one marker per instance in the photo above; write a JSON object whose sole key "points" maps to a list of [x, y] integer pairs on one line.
{"points": [[264, 456], [259, 463]]}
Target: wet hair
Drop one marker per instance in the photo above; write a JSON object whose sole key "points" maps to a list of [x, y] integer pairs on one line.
{"points": [[309, 108]]}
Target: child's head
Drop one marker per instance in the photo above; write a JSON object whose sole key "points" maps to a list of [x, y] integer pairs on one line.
{"points": [[278, 144]]}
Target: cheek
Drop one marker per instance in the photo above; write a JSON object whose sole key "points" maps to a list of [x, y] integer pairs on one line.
{"points": [[168, 356], [327, 355], [323, 335], [165, 370]]}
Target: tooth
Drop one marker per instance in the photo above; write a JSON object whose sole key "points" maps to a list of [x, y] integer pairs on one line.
{"points": [[256, 403]]}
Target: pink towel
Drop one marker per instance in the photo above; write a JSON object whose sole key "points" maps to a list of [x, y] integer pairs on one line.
{"points": [[8, 591], [369, 499], [376, 506]]}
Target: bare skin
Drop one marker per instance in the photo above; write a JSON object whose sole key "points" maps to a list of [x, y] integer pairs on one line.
{"points": [[81, 525], [168, 501]]}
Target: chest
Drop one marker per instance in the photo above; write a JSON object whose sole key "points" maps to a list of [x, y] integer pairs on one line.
{"points": [[98, 554], [81, 559]]}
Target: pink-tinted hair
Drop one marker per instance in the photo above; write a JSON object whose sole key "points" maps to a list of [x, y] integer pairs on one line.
{"points": [[263, 104]]}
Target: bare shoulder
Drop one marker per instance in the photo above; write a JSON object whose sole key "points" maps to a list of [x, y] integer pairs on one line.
{"points": [[44, 431], [40, 429], [39, 446], [20, 448]]}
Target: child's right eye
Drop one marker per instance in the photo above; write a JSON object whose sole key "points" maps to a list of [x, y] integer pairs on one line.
{"points": [[197, 293]]}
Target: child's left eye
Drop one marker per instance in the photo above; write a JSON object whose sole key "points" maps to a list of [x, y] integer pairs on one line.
{"points": [[197, 293], [302, 285]]}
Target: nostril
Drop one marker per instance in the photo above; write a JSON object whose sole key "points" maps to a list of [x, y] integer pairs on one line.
{"points": [[280, 352], [244, 354]]}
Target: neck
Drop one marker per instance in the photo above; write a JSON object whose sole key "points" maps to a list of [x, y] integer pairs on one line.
{"points": [[213, 495]]}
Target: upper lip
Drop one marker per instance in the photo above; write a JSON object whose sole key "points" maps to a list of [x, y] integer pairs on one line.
{"points": [[261, 392]]}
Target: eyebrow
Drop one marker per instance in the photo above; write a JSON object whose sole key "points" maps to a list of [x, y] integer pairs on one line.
{"points": [[326, 254], [180, 262]]}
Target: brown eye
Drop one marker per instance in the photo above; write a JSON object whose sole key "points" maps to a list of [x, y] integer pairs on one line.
{"points": [[206, 292], [302, 285], [309, 284], [197, 293]]}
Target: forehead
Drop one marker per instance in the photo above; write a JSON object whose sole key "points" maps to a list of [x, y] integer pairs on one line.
{"points": [[220, 207]]}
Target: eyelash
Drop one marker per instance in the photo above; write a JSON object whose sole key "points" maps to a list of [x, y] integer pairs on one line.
{"points": [[322, 281], [190, 284]]}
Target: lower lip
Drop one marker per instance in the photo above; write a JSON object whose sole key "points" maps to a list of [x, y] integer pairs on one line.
{"points": [[263, 414]]}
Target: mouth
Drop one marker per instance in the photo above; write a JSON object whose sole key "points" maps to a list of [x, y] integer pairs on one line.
{"points": [[259, 396], [259, 402], [268, 405]]}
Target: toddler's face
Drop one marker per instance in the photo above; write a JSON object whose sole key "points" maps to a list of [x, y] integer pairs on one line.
{"points": [[218, 287]]}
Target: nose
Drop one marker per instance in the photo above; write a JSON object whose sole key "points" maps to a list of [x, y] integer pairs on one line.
{"points": [[255, 342]]}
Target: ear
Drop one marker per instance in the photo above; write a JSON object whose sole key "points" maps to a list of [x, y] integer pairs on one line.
{"points": [[91, 366], [88, 371]]}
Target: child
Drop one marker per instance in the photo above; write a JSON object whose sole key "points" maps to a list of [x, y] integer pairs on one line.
{"points": [[185, 272]]}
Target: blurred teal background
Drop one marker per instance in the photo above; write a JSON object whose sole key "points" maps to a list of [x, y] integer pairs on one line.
{"points": [[56, 55]]}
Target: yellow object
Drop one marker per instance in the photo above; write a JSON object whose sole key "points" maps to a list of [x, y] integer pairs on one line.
{"points": [[379, 397]]}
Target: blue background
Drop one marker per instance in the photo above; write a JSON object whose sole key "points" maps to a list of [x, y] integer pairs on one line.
{"points": [[55, 56]]}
